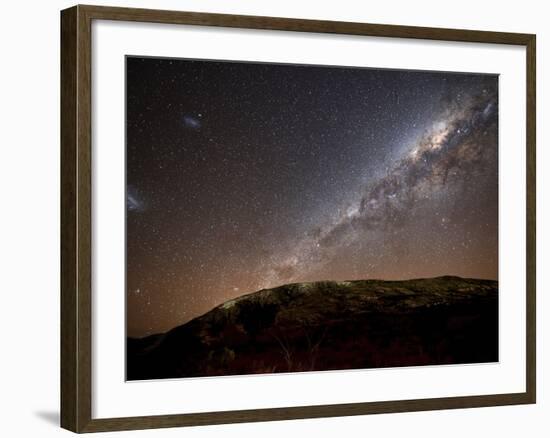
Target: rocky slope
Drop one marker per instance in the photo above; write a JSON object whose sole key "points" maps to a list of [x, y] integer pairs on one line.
{"points": [[329, 326]]}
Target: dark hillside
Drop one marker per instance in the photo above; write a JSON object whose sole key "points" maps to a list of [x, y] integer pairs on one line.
{"points": [[329, 326]]}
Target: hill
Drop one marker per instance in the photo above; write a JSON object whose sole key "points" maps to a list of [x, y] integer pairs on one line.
{"points": [[329, 326]]}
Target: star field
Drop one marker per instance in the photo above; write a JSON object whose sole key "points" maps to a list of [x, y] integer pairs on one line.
{"points": [[242, 176]]}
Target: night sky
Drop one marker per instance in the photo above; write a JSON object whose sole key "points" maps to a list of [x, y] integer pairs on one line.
{"points": [[243, 176]]}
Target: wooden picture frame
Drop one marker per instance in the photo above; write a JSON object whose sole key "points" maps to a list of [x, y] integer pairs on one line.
{"points": [[76, 218]]}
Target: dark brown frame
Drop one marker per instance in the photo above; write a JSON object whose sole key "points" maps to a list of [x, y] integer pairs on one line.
{"points": [[76, 308]]}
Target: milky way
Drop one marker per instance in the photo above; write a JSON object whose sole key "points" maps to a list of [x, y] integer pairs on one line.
{"points": [[453, 148], [245, 176]]}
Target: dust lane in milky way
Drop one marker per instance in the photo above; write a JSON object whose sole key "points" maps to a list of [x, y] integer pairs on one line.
{"points": [[242, 176]]}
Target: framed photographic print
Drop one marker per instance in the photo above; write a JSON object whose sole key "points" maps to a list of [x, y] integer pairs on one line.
{"points": [[325, 218]]}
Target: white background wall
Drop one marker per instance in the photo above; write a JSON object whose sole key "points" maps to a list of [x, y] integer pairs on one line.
{"points": [[29, 215]]}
